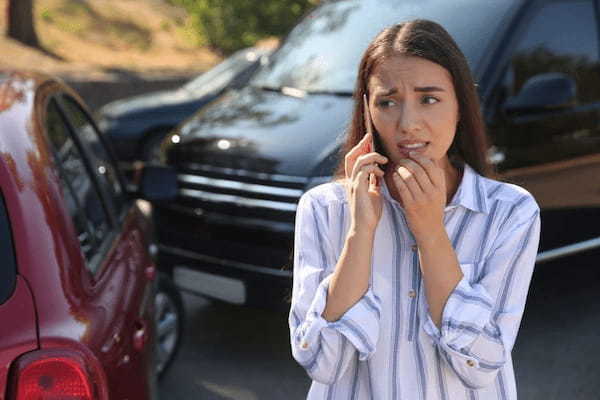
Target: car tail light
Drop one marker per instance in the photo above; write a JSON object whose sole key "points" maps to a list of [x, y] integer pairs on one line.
{"points": [[53, 375], [53, 378]]}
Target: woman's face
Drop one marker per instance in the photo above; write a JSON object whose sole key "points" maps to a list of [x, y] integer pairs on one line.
{"points": [[412, 101]]}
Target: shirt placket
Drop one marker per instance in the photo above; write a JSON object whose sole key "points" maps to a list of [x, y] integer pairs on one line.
{"points": [[416, 279], [414, 292], [414, 288]]}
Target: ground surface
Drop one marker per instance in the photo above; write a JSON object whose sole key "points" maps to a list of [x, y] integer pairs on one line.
{"points": [[243, 354]]}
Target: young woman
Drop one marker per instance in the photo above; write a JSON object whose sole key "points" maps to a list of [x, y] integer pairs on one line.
{"points": [[411, 269]]}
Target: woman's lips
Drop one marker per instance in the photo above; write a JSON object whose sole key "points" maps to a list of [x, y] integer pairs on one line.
{"points": [[405, 150]]}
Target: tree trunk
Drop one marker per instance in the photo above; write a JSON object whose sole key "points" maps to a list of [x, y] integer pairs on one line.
{"points": [[20, 22]]}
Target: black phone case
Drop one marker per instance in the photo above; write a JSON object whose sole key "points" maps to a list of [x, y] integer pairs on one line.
{"points": [[377, 145]]}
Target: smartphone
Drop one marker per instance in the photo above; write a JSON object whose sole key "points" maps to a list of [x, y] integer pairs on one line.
{"points": [[376, 144]]}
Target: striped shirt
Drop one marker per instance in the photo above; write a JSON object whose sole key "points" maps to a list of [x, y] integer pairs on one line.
{"points": [[386, 345]]}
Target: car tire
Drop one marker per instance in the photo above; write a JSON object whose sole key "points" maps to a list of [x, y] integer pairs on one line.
{"points": [[169, 323]]}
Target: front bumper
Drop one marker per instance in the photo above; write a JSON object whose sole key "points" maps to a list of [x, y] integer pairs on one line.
{"points": [[227, 280]]}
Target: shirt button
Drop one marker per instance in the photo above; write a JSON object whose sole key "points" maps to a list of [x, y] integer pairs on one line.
{"points": [[305, 346], [470, 363], [414, 247], [412, 294]]}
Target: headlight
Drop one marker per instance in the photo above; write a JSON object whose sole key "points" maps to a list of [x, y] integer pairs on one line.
{"points": [[104, 124], [316, 181]]}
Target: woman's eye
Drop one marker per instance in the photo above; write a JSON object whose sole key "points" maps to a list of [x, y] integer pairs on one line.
{"points": [[385, 103], [429, 100]]}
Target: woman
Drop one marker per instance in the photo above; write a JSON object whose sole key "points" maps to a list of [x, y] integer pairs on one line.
{"points": [[410, 281]]}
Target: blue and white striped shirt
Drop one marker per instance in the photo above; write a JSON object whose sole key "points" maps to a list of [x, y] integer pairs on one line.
{"points": [[386, 346]]}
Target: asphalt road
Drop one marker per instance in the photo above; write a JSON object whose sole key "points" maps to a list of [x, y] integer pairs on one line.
{"points": [[243, 354]]}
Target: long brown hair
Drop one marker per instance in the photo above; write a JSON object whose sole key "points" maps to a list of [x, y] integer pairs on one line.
{"points": [[428, 40]]}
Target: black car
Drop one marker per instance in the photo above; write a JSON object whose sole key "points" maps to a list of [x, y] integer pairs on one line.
{"points": [[244, 160], [137, 125]]}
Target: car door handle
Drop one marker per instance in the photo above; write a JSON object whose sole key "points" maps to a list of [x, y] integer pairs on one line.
{"points": [[140, 335]]}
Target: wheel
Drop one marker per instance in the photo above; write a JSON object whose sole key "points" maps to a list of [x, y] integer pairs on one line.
{"points": [[169, 323]]}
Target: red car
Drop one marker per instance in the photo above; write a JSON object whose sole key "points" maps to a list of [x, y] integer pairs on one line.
{"points": [[77, 281]]}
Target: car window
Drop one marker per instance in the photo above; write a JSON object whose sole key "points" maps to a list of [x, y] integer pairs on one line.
{"points": [[8, 271], [523, 138], [560, 37], [102, 163], [82, 198], [323, 51]]}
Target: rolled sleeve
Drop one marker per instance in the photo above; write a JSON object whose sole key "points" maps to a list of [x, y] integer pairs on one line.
{"points": [[359, 324], [324, 348], [480, 320]]}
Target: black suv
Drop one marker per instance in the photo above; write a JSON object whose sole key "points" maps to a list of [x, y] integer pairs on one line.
{"points": [[244, 160]]}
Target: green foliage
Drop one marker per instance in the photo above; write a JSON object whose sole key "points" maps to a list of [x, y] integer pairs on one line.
{"points": [[234, 24]]}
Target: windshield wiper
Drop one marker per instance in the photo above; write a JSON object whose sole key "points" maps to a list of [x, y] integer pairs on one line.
{"points": [[268, 88], [294, 92], [286, 90], [340, 93]]}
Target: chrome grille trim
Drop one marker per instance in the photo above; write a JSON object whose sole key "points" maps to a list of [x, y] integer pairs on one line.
{"points": [[300, 180], [225, 219], [238, 200], [241, 186]]}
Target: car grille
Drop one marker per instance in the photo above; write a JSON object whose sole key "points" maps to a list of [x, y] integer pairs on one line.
{"points": [[251, 198]]}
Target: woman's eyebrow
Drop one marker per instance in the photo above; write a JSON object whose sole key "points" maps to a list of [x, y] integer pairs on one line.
{"points": [[387, 92], [429, 89], [417, 89]]}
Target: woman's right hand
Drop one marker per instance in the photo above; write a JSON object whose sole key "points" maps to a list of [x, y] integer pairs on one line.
{"points": [[364, 196]]}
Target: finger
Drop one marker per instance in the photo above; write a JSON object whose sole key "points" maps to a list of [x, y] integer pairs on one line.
{"points": [[376, 182], [372, 157], [435, 173], [408, 177], [365, 159], [362, 181], [373, 182], [370, 169], [365, 179], [403, 189], [419, 174], [362, 147]]}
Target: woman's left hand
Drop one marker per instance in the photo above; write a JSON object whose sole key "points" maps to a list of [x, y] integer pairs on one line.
{"points": [[422, 187]]}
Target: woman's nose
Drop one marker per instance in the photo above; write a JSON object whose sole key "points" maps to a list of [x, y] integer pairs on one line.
{"points": [[410, 119]]}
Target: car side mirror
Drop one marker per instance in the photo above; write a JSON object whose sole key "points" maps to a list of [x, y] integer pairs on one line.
{"points": [[158, 184], [543, 92]]}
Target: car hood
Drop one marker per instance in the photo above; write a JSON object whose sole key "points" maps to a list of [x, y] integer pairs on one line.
{"points": [[266, 131], [158, 100]]}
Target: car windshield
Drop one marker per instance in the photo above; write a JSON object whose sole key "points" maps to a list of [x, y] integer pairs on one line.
{"points": [[222, 73], [322, 53]]}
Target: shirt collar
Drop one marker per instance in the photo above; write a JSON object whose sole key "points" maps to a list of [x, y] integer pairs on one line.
{"points": [[470, 194]]}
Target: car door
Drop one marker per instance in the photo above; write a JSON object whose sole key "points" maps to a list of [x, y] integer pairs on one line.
{"points": [[17, 311], [117, 284], [552, 150]]}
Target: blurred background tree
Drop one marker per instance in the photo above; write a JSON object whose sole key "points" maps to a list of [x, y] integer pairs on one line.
{"points": [[20, 22], [227, 26]]}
